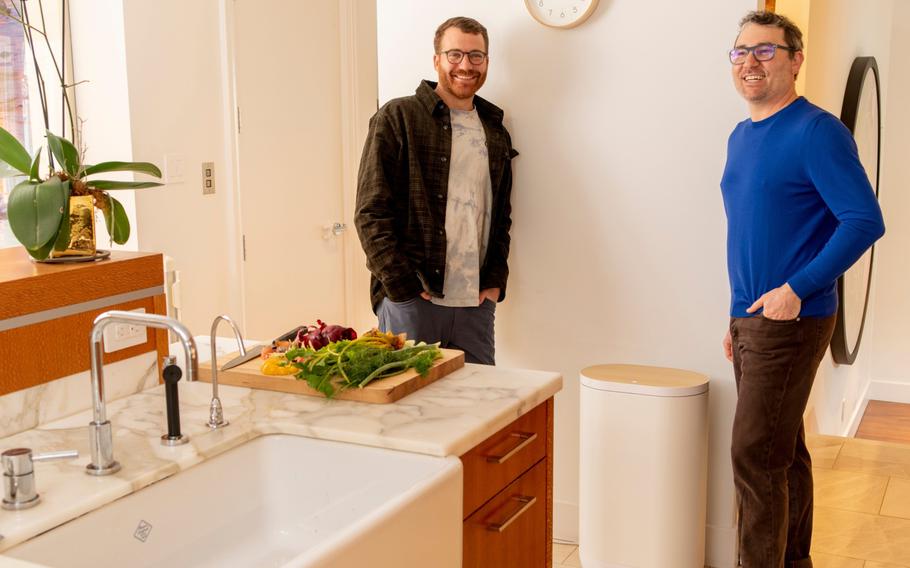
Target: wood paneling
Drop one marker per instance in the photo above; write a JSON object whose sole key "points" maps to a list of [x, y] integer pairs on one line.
{"points": [[38, 353], [35, 353], [885, 421], [27, 287]]}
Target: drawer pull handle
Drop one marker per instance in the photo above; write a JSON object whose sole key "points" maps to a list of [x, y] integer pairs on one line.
{"points": [[526, 503], [525, 439]]}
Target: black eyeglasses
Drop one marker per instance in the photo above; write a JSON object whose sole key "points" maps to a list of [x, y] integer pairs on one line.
{"points": [[761, 52], [454, 56]]}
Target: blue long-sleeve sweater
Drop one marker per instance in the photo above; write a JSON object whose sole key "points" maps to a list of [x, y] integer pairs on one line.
{"points": [[799, 206]]}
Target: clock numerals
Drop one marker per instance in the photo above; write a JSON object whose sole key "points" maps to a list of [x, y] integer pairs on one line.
{"points": [[561, 13]]}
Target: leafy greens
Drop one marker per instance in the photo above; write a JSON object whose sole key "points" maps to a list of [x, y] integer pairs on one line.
{"points": [[355, 363]]}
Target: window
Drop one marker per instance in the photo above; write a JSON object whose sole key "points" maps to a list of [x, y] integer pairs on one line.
{"points": [[20, 104], [14, 111]]}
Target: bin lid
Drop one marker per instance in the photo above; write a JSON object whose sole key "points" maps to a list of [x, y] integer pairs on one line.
{"points": [[641, 379]]}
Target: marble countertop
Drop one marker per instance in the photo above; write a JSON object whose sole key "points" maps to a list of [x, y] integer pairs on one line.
{"points": [[447, 417]]}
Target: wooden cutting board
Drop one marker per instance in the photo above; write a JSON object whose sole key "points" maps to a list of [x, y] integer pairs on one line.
{"points": [[380, 391]]}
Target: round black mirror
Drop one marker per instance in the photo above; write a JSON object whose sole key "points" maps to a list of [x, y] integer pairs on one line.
{"points": [[861, 113]]}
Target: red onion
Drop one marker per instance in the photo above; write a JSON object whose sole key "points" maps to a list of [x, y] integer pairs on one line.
{"points": [[318, 337]]}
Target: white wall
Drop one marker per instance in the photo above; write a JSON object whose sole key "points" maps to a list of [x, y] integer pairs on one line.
{"points": [[177, 101], [619, 230], [890, 342], [157, 86], [161, 86], [99, 59]]}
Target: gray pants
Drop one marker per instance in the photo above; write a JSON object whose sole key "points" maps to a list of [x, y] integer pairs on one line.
{"points": [[469, 329]]}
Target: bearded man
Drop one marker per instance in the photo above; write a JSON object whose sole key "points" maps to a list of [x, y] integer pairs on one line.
{"points": [[433, 202]]}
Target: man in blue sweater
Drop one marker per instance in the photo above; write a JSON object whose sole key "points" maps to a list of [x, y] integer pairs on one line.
{"points": [[800, 211]]}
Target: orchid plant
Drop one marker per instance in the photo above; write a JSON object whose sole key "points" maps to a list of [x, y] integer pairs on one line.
{"points": [[38, 207]]}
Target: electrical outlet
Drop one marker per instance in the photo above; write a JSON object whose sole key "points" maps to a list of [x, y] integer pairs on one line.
{"points": [[208, 178], [119, 336]]}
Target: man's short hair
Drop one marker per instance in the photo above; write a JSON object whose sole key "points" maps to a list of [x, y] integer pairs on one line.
{"points": [[792, 35], [467, 25]]}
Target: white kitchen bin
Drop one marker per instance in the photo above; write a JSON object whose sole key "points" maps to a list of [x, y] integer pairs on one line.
{"points": [[643, 467]]}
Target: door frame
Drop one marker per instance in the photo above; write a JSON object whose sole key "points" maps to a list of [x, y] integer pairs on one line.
{"points": [[359, 88], [360, 91]]}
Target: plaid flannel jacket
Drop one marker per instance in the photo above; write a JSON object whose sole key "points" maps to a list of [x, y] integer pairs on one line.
{"points": [[402, 189]]}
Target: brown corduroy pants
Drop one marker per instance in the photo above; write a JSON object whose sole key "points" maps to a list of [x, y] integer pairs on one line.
{"points": [[774, 364]]}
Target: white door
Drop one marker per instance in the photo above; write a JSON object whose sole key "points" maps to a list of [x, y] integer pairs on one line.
{"points": [[288, 68]]}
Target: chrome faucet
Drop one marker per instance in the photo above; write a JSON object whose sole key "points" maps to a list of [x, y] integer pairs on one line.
{"points": [[19, 490], [216, 413], [101, 439]]}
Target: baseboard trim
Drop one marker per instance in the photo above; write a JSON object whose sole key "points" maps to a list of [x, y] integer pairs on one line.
{"points": [[565, 521], [889, 391], [720, 546], [857, 416]]}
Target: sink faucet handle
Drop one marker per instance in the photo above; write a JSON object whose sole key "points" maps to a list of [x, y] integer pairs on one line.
{"points": [[19, 490], [54, 456], [18, 461]]}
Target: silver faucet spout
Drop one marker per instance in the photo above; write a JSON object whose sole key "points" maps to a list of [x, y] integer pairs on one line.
{"points": [[240, 346], [100, 433], [216, 412]]}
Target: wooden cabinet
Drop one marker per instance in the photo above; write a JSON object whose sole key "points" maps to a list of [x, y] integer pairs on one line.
{"points": [[48, 309], [508, 495]]}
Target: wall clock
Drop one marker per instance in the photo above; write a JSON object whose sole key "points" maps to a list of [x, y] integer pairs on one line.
{"points": [[861, 113], [561, 13]]}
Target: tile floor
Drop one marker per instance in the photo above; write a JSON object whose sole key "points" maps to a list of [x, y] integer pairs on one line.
{"points": [[565, 555], [862, 505]]}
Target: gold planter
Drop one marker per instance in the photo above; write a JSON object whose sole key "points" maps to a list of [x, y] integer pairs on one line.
{"points": [[82, 229]]}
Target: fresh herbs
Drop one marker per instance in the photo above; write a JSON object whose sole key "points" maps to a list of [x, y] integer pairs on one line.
{"points": [[356, 362]]}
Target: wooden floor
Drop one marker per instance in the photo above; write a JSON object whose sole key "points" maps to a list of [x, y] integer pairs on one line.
{"points": [[885, 421]]}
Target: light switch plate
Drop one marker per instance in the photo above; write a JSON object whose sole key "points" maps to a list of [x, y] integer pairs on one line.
{"points": [[119, 336], [208, 178]]}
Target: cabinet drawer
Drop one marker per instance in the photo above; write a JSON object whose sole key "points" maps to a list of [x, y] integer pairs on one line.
{"points": [[511, 529], [501, 458]]}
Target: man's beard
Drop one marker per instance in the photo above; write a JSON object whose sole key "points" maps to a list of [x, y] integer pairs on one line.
{"points": [[460, 90]]}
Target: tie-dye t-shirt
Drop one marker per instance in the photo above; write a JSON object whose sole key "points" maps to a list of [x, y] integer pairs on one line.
{"points": [[470, 194]]}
